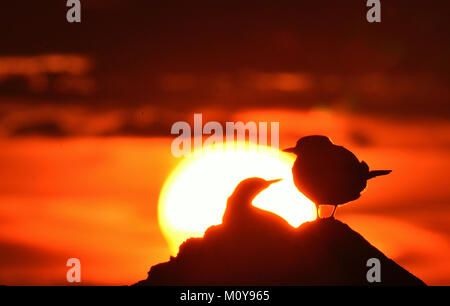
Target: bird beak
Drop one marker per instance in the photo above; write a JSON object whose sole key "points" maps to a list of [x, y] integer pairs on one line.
{"points": [[273, 181], [289, 150]]}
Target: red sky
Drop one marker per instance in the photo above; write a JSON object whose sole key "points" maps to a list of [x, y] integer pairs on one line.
{"points": [[96, 198], [86, 111]]}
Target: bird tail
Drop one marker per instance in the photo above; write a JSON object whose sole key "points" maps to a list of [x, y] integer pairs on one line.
{"points": [[375, 173]]}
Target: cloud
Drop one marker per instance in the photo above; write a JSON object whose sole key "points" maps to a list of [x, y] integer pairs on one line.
{"points": [[75, 121], [23, 255], [286, 57], [44, 128]]}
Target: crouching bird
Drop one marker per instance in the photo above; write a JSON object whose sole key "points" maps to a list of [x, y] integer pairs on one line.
{"points": [[241, 214], [329, 174]]}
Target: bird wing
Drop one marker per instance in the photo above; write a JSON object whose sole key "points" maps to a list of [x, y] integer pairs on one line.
{"points": [[331, 175], [271, 218], [344, 158]]}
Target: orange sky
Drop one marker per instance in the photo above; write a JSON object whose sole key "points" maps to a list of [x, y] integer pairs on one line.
{"points": [[86, 111], [96, 198]]}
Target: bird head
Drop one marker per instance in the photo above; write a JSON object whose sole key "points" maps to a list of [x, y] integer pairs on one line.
{"points": [[309, 142], [249, 188]]}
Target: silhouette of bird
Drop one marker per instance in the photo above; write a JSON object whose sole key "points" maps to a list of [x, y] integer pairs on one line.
{"points": [[242, 214], [329, 174]]}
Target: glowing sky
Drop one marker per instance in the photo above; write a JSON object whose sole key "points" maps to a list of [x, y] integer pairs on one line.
{"points": [[96, 199]]}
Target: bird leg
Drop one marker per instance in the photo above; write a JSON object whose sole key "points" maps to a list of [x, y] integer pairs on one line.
{"points": [[334, 210], [317, 209]]}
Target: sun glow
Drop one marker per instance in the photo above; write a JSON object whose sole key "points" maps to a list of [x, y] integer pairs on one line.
{"points": [[195, 194]]}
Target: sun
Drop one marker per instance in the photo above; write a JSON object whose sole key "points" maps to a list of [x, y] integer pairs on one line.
{"points": [[195, 194]]}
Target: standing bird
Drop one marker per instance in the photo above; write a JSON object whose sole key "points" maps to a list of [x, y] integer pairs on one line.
{"points": [[329, 174], [241, 214]]}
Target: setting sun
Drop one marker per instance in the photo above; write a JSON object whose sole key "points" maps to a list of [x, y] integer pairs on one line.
{"points": [[195, 194]]}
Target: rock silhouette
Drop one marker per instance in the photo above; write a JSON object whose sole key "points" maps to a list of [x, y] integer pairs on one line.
{"points": [[322, 252], [329, 174], [257, 247]]}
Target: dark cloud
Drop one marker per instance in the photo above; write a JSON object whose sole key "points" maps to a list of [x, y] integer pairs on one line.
{"points": [[14, 254], [398, 67], [53, 123], [360, 138], [45, 128], [130, 128]]}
